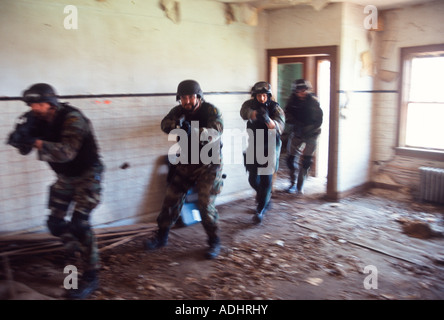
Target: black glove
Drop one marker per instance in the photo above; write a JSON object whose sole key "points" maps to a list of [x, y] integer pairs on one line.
{"points": [[23, 148], [186, 125], [262, 115], [26, 132]]}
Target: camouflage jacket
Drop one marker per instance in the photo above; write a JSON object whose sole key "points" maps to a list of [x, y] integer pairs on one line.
{"points": [[273, 109], [206, 120], [69, 144]]}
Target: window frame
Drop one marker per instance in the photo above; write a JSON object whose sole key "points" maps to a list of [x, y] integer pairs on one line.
{"points": [[407, 54]]}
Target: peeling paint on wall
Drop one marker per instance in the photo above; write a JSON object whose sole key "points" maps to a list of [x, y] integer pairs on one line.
{"points": [[172, 9], [229, 13], [367, 63]]}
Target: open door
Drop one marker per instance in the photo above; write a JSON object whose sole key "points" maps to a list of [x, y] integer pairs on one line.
{"points": [[318, 65], [289, 69]]}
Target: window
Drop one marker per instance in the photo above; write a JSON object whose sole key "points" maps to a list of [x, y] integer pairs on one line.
{"points": [[421, 126]]}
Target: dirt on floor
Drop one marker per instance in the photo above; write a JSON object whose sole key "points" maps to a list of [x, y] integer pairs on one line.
{"points": [[378, 245]]}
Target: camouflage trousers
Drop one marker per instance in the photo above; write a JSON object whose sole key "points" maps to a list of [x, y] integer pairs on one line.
{"points": [[79, 195], [207, 181], [300, 151], [297, 146]]}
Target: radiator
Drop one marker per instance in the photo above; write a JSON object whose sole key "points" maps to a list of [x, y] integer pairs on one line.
{"points": [[431, 184]]}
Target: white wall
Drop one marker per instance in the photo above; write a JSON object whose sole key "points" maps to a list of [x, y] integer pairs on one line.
{"points": [[368, 102], [410, 26], [125, 47], [342, 25], [130, 47], [355, 102], [303, 26], [120, 47]]}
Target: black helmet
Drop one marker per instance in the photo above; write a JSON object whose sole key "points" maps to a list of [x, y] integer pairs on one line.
{"points": [[261, 87], [188, 87], [40, 92], [300, 84]]}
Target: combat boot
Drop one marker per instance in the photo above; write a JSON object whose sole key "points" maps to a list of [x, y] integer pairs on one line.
{"points": [[301, 180], [292, 168], [159, 240], [214, 249], [292, 188], [260, 212], [259, 215], [87, 285]]}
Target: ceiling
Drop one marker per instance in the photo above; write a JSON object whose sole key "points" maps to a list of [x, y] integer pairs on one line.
{"points": [[320, 4]]}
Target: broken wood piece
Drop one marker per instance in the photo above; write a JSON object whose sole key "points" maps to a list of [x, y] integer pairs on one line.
{"points": [[115, 244], [45, 243]]}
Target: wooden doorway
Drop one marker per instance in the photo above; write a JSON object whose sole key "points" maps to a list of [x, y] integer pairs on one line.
{"points": [[314, 54]]}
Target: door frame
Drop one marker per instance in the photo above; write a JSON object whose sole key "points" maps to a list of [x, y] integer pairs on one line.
{"points": [[332, 52]]}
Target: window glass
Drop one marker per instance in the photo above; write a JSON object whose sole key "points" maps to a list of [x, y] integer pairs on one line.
{"points": [[427, 79], [425, 105], [425, 127]]}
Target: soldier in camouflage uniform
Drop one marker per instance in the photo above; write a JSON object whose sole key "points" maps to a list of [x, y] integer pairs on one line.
{"points": [[199, 127], [303, 119], [264, 116], [68, 144]]}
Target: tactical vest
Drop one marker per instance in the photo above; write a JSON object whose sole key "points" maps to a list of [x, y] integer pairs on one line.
{"points": [[202, 115], [86, 157], [254, 126], [305, 111]]}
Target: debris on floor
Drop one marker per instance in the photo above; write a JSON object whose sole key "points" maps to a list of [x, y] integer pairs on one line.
{"points": [[378, 245]]}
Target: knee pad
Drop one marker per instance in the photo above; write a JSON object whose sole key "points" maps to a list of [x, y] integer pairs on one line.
{"points": [[307, 161], [79, 226], [57, 226]]}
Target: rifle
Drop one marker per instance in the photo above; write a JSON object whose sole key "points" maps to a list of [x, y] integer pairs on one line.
{"points": [[27, 130]]}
